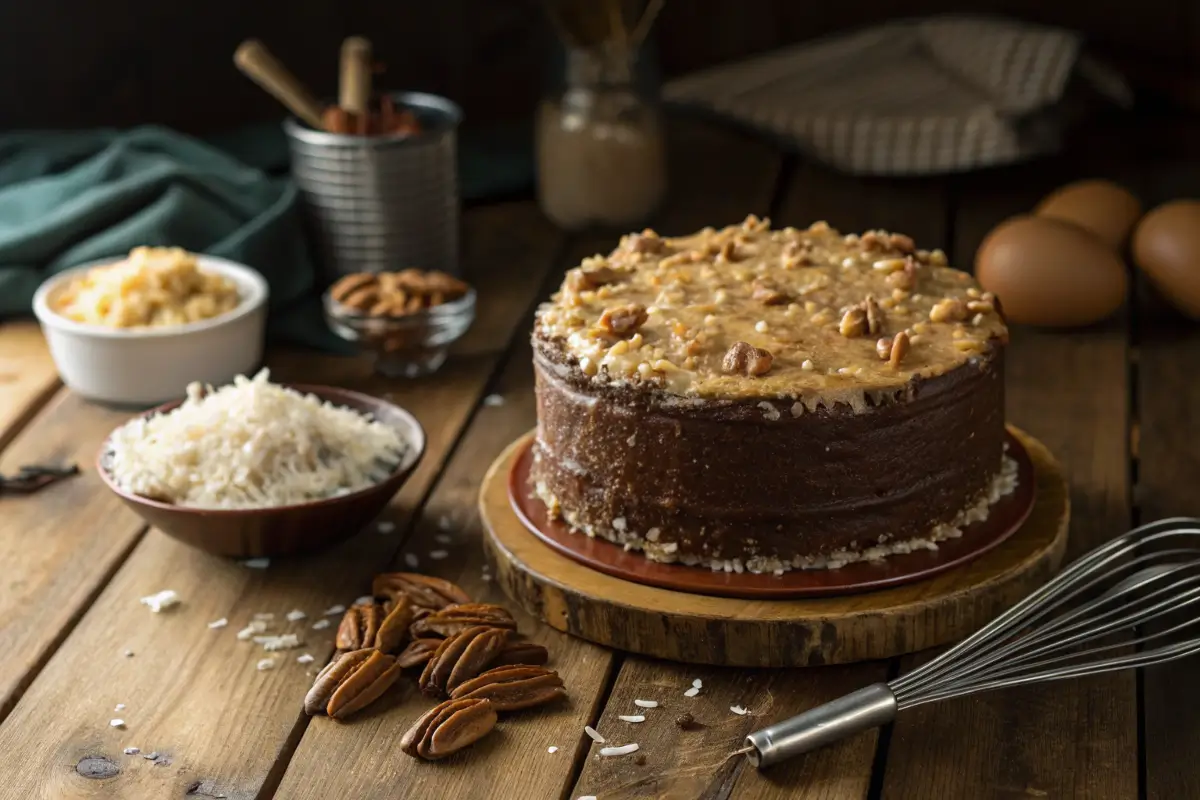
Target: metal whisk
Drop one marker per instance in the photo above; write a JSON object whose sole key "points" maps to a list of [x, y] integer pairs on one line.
{"points": [[1146, 583]]}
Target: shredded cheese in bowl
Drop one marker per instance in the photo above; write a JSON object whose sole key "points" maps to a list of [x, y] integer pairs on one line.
{"points": [[252, 444]]}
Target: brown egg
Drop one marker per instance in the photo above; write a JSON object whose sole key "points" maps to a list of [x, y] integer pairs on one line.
{"points": [[1102, 207], [1050, 273], [1166, 245]]}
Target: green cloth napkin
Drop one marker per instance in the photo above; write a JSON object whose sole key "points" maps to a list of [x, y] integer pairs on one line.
{"points": [[70, 198]]}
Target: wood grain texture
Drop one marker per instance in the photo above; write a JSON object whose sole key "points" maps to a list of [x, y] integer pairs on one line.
{"points": [[27, 376], [1167, 456], [702, 629], [692, 761], [193, 694], [58, 546], [1070, 739]]}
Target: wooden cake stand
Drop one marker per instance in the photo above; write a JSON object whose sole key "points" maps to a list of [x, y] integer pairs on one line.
{"points": [[551, 583]]}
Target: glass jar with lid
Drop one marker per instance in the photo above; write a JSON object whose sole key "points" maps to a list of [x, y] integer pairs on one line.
{"points": [[600, 141]]}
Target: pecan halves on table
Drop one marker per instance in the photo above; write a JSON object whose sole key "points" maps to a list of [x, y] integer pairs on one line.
{"points": [[449, 727], [455, 619], [513, 688], [425, 591], [369, 625], [351, 683], [460, 658]]}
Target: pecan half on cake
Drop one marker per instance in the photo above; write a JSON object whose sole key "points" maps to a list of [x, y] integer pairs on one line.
{"points": [[764, 400]]}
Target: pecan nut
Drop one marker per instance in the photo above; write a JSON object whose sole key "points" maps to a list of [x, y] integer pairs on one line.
{"points": [[854, 323], [418, 652], [449, 727], [624, 320], [455, 619], [767, 293], [358, 627], [527, 653], [328, 679], [461, 657], [513, 688], [425, 591], [948, 311], [365, 682], [874, 315], [746, 359]]}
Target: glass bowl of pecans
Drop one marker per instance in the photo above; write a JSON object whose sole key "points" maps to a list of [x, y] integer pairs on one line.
{"points": [[407, 319]]}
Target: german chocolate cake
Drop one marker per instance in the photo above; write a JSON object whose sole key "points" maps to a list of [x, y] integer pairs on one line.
{"points": [[761, 400]]}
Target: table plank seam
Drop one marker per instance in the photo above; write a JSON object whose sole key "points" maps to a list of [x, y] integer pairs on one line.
{"points": [[26, 416], [583, 745]]}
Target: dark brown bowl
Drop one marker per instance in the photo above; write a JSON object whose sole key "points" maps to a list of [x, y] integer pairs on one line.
{"points": [[282, 530]]}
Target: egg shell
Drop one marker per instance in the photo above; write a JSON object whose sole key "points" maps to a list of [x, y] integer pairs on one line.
{"points": [[1166, 246], [1101, 207], [1050, 273]]}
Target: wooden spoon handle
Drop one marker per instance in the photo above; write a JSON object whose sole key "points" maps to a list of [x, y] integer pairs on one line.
{"points": [[253, 59], [354, 85]]}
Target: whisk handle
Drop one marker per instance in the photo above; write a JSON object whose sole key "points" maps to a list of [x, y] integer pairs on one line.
{"points": [[865, 709]]}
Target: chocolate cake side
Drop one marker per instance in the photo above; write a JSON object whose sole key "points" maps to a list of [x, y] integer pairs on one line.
{"points": [[748, 481]]}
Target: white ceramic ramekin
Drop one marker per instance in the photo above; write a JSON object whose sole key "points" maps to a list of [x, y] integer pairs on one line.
{"points": [[140, 367]]}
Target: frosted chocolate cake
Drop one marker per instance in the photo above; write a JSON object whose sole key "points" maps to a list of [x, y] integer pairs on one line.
{"points": [[765, 400]]}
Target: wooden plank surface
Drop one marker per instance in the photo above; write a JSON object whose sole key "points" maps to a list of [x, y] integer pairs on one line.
{"points": [[1071, 739], [27, 376], [192, 694], [1167, 456]]}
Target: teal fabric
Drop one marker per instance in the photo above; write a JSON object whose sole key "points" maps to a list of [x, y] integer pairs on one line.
{"points": [[70, 198]]}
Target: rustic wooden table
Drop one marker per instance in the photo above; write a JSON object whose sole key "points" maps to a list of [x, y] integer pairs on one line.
{"points": [[1114, 403]]}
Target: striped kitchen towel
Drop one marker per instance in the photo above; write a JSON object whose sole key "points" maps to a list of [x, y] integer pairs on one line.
{"points": [[914, 97]]}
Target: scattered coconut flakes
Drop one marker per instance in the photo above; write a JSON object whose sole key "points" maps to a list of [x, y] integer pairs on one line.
{"points": [[218, 623], [153, 754], [445, 523], [334, 610], [128, 654], [699, 684], [586, 797], [120, 707], [320, 624], [623, 750], [265, 664], [365, 600], [595, 734], [132, 751], [295, 615], [438, 555], [739, 710], [287, 641], [692, 692], [265, 616], [257, 563], [486, 578], [632, 718], [255, 627], [493, 400], [411, 560], [117, 723], [304, 658], [646, 703], [386, 527], [551, 749], [160, 600], [443, 538]]}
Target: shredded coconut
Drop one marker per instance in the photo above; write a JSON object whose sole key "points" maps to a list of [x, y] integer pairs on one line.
{"points": [[623, 750], [251, 444], [117, 723], [551, 749], [739, 710], [646, 703], [304, 658], [631, 718], [386, 527], [132, 751], [411, 560], [295, 615], [265, 664], [364, 600], [595, 734], [218, 623], [333, 611], [287, 641], [161, 600], [699, 684], [438, 555], [320, 624], [255, 627], [692, 692], [257, 563]]}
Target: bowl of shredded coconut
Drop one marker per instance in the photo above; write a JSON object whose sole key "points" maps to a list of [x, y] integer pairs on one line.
{"points": [[255, 468]]}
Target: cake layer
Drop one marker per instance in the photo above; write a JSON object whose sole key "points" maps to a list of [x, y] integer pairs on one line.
{"points": [[747, 479]]}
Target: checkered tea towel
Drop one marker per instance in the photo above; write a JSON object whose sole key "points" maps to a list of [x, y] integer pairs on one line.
{"points": [[915, 97]]}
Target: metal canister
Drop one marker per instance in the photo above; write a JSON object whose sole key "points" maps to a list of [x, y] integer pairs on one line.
{"points": [[382, 203]]}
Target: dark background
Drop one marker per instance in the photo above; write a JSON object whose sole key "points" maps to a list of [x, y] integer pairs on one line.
{"points": [[71, 63]]}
